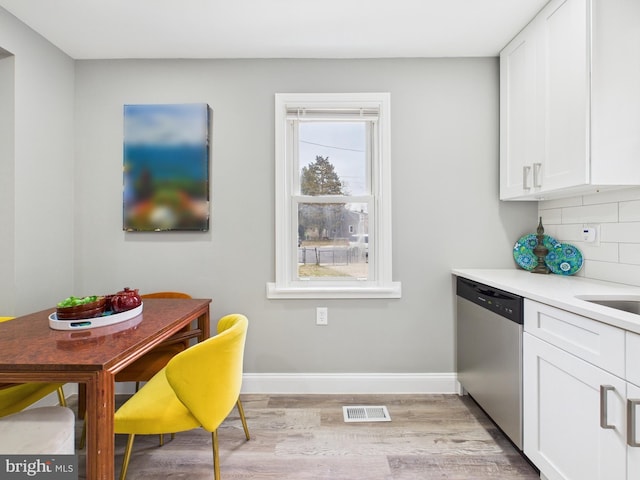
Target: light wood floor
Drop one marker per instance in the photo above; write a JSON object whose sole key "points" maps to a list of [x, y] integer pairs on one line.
{"points": [[304, 437]]}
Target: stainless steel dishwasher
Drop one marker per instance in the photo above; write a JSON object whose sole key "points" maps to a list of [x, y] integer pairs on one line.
{"points": [[489, 352]]}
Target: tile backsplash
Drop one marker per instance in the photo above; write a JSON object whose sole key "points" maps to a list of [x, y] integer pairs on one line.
{"points": [[617, 215]]}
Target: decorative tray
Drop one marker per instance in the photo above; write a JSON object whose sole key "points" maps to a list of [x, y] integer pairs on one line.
{"points": [[564, 259], [81, 323], [87, 338], [561, 259], [523, 250]]}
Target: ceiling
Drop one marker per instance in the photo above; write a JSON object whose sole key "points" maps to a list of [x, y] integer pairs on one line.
{"points": [[101, 29]]}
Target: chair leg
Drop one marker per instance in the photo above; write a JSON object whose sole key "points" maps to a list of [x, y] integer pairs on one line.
{"points": [[61, 399], [216, 460], [243, 419], [83, 435], [173, 436], [127, 456]]}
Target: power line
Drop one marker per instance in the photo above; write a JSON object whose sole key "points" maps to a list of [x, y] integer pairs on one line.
{"points": [[331, 146]]}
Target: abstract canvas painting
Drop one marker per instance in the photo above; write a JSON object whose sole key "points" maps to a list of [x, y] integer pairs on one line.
{"points": [[166, 167]]}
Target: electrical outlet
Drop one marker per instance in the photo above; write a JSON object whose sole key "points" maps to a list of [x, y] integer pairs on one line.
{"points": [[322, 316]]}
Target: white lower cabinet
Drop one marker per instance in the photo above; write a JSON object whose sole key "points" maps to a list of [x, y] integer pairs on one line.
{"points": [[574, 416], [581, 391]]}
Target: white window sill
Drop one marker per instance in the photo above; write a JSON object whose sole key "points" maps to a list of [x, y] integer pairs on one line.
{"points": [[392, 290]]}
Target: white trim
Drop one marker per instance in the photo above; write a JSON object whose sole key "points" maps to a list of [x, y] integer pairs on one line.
{"points": [[394, 290], [349, 383], [380, 284], [321, 383]]}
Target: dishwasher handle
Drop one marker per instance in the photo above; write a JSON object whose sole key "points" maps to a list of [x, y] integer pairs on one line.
{"points": [[493, 293], [500, 302]]}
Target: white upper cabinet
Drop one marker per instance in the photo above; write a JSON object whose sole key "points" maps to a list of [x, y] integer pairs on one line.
{"points": [[570, 102], [518, 115]]}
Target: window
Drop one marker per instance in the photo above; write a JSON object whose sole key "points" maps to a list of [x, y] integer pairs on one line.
{"points": [[333, 202]]}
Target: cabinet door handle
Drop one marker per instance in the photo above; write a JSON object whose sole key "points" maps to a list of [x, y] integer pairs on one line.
{"points": [[526, 173], [537, 168], [631, 422], [604, 405]]}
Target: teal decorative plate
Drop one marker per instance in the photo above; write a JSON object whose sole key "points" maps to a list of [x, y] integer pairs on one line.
{"points": [[564, 259], [523, 250]]}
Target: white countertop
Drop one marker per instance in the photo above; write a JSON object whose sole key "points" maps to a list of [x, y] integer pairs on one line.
{"points": [[561, 292]]}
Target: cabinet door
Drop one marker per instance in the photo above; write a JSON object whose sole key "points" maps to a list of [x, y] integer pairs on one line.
{"points": [[633, 451], [563, 59], [518, 115], [567, 401]]}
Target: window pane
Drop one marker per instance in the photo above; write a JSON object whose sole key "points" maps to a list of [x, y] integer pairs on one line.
{"points": [[332, 158], [333, 240]]}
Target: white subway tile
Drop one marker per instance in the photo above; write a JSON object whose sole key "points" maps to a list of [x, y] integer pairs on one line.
{"points": [[551, 216], [630, 211], [620, 232], [570, 233], [630, 253], [600, 213], [560, 202], [617, 259], [613, 272], [552, 231], [631, 193], [605, 252]]}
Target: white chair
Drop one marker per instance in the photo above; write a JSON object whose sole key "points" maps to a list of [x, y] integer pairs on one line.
{"points": [[36, 431]]}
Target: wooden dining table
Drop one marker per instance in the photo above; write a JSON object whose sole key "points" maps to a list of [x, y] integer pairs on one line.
{"points": [[31, 351]]}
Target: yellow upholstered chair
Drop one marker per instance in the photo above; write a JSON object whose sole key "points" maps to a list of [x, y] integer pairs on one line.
{"points": [[15, 397], [151, 363], [197, 388], [155, 360], [223, 324]]}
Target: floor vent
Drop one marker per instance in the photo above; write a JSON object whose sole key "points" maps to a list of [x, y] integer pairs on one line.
{"points": [[366, 414]]}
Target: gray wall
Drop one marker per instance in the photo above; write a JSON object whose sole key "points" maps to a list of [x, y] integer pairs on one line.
{"points": [[445, 203], [36, 169], [64, 179]]}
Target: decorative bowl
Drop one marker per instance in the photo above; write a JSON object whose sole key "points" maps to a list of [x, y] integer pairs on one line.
{"points": [[87, 310]]}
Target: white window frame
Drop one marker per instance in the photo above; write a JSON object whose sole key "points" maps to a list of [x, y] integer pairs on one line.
{"points": [[380, 283]]}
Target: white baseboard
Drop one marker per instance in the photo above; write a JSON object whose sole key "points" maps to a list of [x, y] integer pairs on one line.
{"points": [[296, 383], [318, 383]]}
